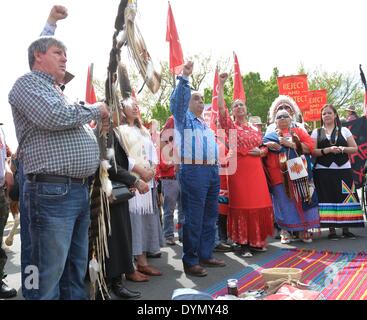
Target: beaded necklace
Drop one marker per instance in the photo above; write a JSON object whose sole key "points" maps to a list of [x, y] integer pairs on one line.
{"points": [[334, 135]]}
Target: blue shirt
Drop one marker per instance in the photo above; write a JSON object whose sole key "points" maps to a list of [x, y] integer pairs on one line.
{"points": [[195, 139]]}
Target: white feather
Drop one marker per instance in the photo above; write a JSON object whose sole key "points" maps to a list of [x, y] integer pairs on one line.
{"points": [[150, 70], [106, 183], [128, 102], [110, 153], [105, 165]]}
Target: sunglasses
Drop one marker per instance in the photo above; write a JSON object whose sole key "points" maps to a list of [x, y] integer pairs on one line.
{"points": [[284, 107], [282, 117]]}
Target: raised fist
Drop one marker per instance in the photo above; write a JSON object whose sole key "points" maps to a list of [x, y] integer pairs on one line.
{"points": [[57, 13], [187, 69]]}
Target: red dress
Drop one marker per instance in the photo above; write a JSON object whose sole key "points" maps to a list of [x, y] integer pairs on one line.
{"points": [[250, 219]]}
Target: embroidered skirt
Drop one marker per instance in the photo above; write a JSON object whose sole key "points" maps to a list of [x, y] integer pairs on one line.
{"points": [[338, 199], [288, 216]]}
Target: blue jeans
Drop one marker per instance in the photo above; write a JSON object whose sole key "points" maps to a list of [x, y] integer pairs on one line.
{"points": [[25, 237], [199, 196], [171, 193], [59, 218]]}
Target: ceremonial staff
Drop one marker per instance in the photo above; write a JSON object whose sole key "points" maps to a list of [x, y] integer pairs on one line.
{"points": [[126, 34]]}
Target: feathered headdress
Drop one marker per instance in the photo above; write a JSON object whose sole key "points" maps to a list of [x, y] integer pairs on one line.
{"points": [[284, 100]]}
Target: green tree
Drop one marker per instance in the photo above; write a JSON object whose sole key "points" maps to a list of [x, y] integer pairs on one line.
{"points": [[259, 93]]}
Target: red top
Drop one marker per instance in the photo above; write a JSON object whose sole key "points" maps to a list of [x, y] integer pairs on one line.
{"points": [[248, 137], [272, 160], [166, 168]]}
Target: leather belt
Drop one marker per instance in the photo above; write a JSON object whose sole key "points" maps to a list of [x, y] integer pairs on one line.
{"points": [[55, 179], [200, 162], [168, 178]]}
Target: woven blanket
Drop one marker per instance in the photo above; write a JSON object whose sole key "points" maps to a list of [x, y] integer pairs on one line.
{"points": [[337, 275]]}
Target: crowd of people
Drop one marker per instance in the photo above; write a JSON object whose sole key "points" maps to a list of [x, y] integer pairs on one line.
{"points": [[285, 179]]}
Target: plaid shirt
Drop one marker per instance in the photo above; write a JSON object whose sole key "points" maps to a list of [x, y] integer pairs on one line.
{"points": [[51, 132]]}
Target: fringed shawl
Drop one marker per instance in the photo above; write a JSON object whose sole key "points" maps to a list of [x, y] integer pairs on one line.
{"points": [[139, 147]]}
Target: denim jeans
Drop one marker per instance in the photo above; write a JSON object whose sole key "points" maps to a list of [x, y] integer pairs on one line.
{"points": [[171, 193], [25, 237], [199, 196], [59, 218]]}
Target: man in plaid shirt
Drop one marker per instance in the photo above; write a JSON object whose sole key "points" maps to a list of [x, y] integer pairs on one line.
{"points": [[58, 152]]}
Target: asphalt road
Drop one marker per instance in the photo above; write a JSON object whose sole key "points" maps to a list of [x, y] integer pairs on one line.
{"points": [[162, 287]]}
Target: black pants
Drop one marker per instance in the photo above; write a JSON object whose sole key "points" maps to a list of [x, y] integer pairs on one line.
{"points": [[222, 227], [4, 214]]}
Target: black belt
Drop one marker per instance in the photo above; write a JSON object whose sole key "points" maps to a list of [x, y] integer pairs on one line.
{"points": [[55, 179]]}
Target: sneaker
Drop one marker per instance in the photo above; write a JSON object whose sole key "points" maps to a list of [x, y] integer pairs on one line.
{"points": [[246, 254], [306, 237], [333, 236], [257, 249], [349, 235], [236, 247], [6, 292], [285, 237]]}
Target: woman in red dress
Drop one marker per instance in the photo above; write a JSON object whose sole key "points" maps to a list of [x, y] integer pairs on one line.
{"points": [[250, 218]]}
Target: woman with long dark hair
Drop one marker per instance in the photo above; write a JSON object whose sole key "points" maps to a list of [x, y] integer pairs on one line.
{"points": [[338, 200], [250, 216]]}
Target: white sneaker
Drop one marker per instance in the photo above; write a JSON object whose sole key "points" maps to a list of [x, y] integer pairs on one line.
{"points": [[285, 237], [306, 237]]}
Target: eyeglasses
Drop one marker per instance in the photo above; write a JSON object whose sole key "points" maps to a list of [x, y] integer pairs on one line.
{"points": [[283, 116]]}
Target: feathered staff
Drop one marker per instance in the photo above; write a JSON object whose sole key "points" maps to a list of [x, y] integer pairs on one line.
{"points": [[102, 187], [138, 50], [126, 33], [363, 78]]}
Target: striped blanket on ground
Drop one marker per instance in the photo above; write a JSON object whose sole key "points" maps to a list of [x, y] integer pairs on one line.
{"points": [[337, 275]]}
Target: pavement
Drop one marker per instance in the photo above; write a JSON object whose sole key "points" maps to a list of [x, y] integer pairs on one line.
{"points": [[162, 287]]}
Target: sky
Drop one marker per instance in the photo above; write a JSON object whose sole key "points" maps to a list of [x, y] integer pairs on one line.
{"points": [[319, 34]]}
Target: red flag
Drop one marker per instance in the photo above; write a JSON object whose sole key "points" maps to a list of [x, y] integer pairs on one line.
{"points": [[214, 108], [176, 60], [90, 96], [238, 91]]}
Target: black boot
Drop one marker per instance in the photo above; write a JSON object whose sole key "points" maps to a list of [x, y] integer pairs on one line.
{"points": [[119, 290], [6, 292]]}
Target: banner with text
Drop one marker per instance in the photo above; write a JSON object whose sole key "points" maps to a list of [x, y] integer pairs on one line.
{"points": [[295, 87], [358, 128], [316, 100]]}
